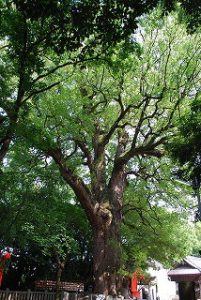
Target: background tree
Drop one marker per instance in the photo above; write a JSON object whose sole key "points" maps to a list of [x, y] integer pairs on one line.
{"points": [[101, 125], [41, 221], [155, 214], [185, 148]]}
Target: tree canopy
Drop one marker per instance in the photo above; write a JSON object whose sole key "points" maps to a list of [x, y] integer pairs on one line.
{"points": [[38, 38]]}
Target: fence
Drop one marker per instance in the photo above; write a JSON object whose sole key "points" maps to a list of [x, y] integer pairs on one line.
{"points": [[34, 295], [42, 295]]}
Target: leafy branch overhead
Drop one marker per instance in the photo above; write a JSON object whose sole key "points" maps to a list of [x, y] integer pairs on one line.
{"points": [[39, 38]]}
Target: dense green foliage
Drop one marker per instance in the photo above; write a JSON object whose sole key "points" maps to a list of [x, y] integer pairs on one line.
{"points": [[185, 146], [38, 38], [41, 222], [155, 214]]}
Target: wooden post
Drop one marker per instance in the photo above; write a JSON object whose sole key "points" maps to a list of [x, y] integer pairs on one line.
{"points": [[28, 294], [7, 294], [45, 295]]}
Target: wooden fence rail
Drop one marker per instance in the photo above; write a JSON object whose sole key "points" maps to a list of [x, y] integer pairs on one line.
{"points": [[46, 285], [30, 295]]}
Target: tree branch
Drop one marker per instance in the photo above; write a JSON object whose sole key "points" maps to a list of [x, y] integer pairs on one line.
{"points": [[86, 152], [41, 90], [72, 62], [76, 183]]}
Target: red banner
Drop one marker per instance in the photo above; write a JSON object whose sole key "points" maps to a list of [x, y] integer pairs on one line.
{"points": [[137, 276]]}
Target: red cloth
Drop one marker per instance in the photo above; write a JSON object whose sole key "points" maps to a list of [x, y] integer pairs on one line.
{"points": [[137, 276], [3, 260], [134, 291], [1, 276]]}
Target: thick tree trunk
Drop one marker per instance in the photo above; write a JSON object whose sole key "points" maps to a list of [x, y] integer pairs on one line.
{"points": [[106, 258], [103, 204]]}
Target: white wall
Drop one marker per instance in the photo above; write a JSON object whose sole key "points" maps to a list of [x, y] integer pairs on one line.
{"points": [[166, 288]]}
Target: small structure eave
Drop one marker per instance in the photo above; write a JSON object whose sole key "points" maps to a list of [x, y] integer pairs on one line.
{"points": [[188, 270]]}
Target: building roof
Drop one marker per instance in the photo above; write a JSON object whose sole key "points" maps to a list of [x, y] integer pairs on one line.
{"points": [[188, 270], [182, 271], [194, 261]]}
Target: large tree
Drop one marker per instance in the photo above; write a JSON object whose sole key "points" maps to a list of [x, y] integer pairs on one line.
{"points": [[105, 120], [116, 110]]}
